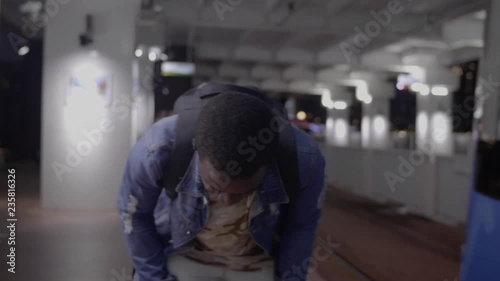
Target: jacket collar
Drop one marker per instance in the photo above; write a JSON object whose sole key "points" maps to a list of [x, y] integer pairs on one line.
{"points": [[271, 190], [191, 183]]}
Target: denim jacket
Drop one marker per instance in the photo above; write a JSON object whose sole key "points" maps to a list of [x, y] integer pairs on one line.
{"points": [[156, 227]]}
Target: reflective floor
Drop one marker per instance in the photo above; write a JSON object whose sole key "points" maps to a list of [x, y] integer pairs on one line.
{"points": [[363, 242]]}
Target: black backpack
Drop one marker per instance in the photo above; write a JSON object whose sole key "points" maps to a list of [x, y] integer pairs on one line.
{"points": [[188, 107]]}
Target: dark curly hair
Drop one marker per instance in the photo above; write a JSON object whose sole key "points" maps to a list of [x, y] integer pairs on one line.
{"points": [[234, 132]]}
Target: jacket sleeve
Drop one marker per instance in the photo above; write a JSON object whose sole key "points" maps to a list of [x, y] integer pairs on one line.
{"points": [[300, 222], [137, 198]]}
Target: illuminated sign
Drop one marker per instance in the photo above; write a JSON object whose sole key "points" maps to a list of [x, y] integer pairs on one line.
{"points": [[169, 68]]}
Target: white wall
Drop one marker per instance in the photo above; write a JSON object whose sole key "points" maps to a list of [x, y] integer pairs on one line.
{"points": [[345, 167], [454, 181], [438, 189], [70, 180]]}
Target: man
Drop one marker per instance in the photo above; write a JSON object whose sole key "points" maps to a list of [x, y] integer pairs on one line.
{"points": [[232, 218]]}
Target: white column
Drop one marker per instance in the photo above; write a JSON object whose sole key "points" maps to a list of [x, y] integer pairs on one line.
{"points": [[149, 39], [422, 123], [86, 100], [341, 128], [143, 109], [375, 125], [434, 124], [380, 123], [337, 101]]}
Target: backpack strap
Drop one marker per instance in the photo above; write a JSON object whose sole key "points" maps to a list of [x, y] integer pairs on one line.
{"points": [[287, 160], [188, 107]]}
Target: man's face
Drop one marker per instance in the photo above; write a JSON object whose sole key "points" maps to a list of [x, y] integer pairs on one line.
{"points": [[221, 188]]}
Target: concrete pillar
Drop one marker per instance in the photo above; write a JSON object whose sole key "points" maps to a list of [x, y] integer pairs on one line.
{"points": [[149, 39], [375, 125], [143, 109], [341, 128], [337, 101], [434, 124], [86, 100], [378, 131]]}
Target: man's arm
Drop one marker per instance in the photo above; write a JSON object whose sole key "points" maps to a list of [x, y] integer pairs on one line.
{"points": [[139, 192], [300, 223]]}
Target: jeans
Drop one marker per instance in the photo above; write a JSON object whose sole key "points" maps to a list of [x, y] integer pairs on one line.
{"points": [[188, 270]]}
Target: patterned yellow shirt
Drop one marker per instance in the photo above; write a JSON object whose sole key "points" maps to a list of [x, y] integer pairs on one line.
{"points": [[226, 240]]}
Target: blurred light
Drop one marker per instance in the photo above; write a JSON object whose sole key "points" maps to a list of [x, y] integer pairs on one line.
{"points": [[439, 91], [23, 50], [340, 130], [365, 131], [329, 130], [326, 99], [402, 134], [422, 125], [361, 90], [169, 68], [416, 72], [469, 75], [341, 105], [379, 124], [420, 88], [458, 70], [93, 54], [440, 127], [404, 80], [425, 90], [472, 66], [138, 53], [163, 57], [368, 99], [416, 86], [83, 97], [301, 115], [87, 74], [152, 56]]}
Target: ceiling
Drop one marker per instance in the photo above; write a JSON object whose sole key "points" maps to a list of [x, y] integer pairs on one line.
{"points": [[308, 31], [235, 38], [298, 38]]}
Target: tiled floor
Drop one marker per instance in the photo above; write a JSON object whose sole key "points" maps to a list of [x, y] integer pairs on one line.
{"points": [[57, 245]]}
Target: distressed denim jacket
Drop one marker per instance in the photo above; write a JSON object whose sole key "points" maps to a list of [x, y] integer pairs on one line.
{"points": [[156, 227]]}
